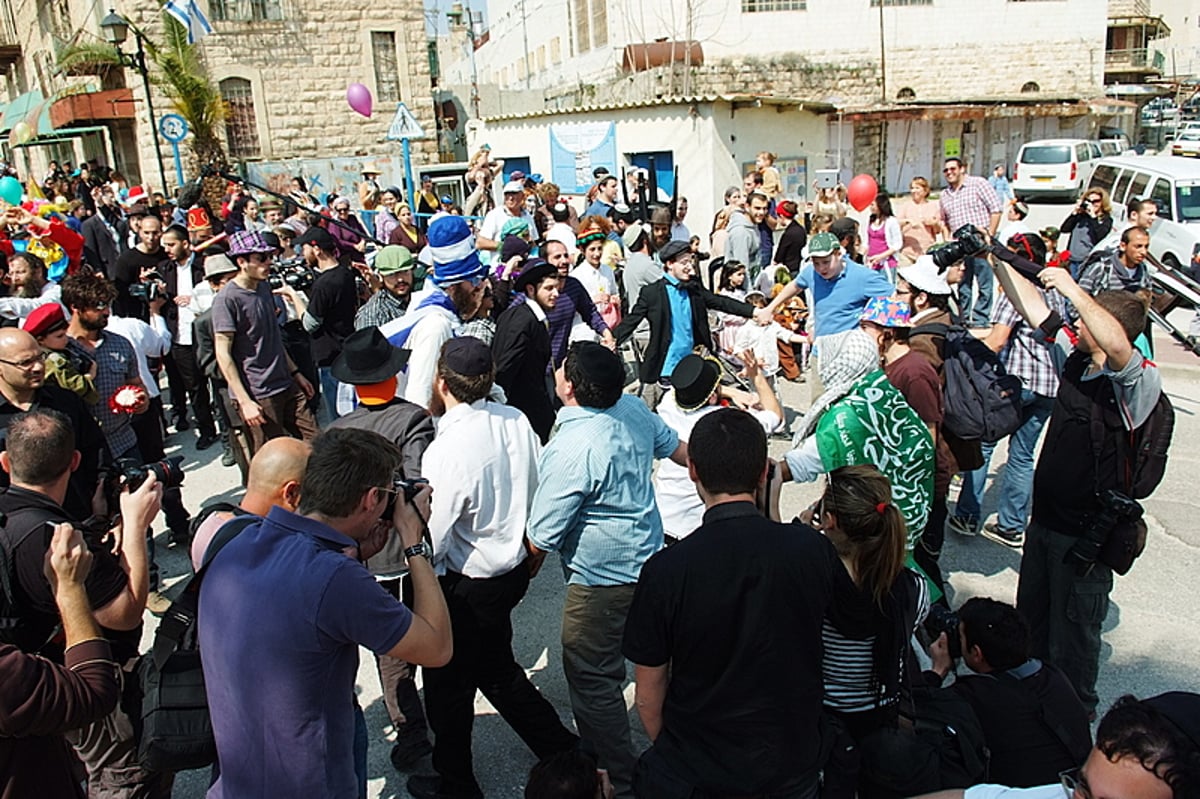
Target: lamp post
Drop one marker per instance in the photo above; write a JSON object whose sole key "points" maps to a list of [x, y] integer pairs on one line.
{"points": [[116, 31]]}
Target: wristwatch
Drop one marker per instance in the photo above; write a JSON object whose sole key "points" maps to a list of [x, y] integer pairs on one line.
{"points": [[419, 550]]}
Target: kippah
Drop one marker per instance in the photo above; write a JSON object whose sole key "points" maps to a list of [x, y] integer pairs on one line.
{"points": [[599, 364], [467, 356]]}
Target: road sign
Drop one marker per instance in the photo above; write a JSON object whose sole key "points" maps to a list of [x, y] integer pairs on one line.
{"points": [[173, 128], [404, 125]]}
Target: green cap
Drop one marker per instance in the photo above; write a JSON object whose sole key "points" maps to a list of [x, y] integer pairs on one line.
{"points": [[823, 244], [393, 258]]}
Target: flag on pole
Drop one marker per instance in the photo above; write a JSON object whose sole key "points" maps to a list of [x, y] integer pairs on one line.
{"points": [[190, 17]]}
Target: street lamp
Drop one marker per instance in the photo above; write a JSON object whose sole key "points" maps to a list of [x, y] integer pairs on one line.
{"points": [[116, 31]]}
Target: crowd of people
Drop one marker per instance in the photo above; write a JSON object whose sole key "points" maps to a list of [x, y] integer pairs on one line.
{"points": [[422, 408]]}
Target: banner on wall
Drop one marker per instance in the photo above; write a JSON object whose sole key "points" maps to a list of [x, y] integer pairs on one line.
{"points": [[576, 149], [793, 174], [325, 175]]}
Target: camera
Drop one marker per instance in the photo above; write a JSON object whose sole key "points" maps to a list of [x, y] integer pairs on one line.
{"points": [[132, 474], [402, 486], [147, 291], [943, 620], [1115, 508], [969, 241], [293, 272]]}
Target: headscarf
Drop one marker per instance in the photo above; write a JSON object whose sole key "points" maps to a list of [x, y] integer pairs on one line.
{"points": [[845, 359], [514, 226]]}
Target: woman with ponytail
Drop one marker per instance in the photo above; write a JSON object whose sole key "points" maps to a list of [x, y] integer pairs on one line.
{"points": [[867, 630]]}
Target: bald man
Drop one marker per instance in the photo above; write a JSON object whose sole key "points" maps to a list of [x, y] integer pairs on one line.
{"points": [[22, 388], [276, 472]]}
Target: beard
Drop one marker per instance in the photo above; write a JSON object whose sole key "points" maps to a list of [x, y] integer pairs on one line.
{"points": [[437, 405], [465, 298]]}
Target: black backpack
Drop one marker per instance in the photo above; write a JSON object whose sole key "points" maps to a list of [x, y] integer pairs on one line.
{"points": [[982, 400], [176, 730]]}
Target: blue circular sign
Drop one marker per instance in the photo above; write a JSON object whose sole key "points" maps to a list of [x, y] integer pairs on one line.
{"points": [[173, 128]]}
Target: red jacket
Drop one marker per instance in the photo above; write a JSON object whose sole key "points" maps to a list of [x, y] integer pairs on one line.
{"points": [[69, 240]]}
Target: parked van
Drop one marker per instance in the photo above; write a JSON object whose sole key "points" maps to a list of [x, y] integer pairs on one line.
{"points": [[1173, 183], [1054, 168]]}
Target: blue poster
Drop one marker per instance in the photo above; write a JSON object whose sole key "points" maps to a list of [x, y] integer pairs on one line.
{"points": [[576, 148]]}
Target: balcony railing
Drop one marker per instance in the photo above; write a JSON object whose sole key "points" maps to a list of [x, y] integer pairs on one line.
{"points": [[1142, 59]]}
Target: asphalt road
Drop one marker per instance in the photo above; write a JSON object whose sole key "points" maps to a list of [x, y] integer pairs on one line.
{"points": [[1149, 646]]}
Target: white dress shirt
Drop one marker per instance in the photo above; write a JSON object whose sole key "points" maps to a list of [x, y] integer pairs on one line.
{"points": [[149, 341], [482, 466]]}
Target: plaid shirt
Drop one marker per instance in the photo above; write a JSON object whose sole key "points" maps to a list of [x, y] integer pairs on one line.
{"points": [[1026, 355], [383, 307], [116, 366], [483, 329], [973, 202]]}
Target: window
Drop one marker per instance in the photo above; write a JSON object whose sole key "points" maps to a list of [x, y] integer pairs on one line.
{"points": [[890, 3], [599, 23], [387, 68], [555, 50], [583, 37], [1161, 194], [1118, 192], [56, 18], [1030, 87], [241, 125], [246, 10], [1103, 177], [541, 58], [1047, 154], [755, 6], [1138, 188]]}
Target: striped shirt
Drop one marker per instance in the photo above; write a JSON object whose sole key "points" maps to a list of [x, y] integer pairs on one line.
{"points": [[594, 502], [973, 202], [848, 665]]}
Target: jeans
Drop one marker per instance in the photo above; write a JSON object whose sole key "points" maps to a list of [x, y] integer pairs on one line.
{"points": [[592, 627], [329, 390], [1016, 484], [1065, 610], [360, 749], [979, 312]]}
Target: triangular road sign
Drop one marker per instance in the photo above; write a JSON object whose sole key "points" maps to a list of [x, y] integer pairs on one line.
{"points": [[404, 125]]}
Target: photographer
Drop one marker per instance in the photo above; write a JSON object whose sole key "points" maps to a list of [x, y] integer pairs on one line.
{"points": [[1089, 223], [1033, 723], [40, 459], [1107, 389], [137, 264]]}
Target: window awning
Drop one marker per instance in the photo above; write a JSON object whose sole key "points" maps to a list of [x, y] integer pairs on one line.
{"points": [[19, 108], [44, 132]]}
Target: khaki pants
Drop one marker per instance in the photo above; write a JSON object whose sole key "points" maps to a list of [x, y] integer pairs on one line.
{"points": [[284, 414]]}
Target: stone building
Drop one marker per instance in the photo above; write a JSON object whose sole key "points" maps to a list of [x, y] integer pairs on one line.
{"points": [[282, 68], [908, 82]]}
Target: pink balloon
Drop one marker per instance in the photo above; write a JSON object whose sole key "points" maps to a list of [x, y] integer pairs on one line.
{"points": [[861, 192], [359, 98]]}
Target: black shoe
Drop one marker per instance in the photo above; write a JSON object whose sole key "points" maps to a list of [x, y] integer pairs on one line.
{"points": [[406, 754], [428, 786], [227, 458], [179, 539], [1010, 538], [181, 423], [207, 440]]}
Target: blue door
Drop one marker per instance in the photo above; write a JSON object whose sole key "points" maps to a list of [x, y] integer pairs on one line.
{"points": [[515, 165], [664, 168]]}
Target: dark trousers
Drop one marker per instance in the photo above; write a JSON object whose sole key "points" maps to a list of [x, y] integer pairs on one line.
{"points": [[1064, 609], [284, 414], [480, 616], [928, 548], [654, 779], [148, 427], [188, 383], [842, 775], [396, 678]]}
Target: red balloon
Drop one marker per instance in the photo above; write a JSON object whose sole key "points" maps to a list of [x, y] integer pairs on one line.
{"points": [[861, 192]]}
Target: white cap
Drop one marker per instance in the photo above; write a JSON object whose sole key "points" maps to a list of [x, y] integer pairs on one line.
{"points": [[514, 187], [924, 276]]}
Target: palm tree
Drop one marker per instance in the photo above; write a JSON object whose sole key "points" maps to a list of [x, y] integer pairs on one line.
{"points": [[176, 68]]}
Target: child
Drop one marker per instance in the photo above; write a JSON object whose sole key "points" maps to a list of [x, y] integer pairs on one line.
{"points": [[1053, 257], [763, 339], [772, 184], [48, 324]]}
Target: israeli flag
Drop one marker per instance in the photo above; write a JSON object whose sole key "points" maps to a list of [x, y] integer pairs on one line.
{"points": [[190, 17]]}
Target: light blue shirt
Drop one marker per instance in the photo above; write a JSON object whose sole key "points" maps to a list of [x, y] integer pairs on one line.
{"points": [[838, 303], [594, 502], [681, 325]]}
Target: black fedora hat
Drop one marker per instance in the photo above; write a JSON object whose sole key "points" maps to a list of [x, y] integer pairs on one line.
{"points": [[367, 357], [535, 271], [695, 379]]}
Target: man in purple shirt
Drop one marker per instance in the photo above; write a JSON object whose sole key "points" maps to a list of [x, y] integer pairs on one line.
{"points": [[285, 606], [970, 200]]}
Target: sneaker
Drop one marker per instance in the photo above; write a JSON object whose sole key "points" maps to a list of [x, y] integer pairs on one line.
{"points": [[963, 525], [1010, 538], [207, 440], [227, 458], [407, 754], [157, 603]]}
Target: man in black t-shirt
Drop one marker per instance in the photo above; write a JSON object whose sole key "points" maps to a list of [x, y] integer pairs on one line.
{"points": [[729, 681], [135, 262], [328, 315]]}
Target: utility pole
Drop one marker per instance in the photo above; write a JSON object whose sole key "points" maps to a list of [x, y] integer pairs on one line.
{"points": [[883, 95]]}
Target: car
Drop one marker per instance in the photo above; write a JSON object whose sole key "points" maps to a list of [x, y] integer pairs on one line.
{"points": [[1054, 168], [1188, 143], [1173, 184]]}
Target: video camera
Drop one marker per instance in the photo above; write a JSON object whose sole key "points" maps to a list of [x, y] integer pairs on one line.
{"points": [[294, 272], [148, 290]]}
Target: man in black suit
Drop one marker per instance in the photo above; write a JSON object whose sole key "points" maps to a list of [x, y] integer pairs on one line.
{"points": [[677, 292], [100, 235], [521, 348]]}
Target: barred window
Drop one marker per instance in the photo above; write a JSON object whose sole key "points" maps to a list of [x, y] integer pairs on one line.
{"points": [[241, 124], [599, 23], [387, 66], [246, 10], [890, 3], [583, 37], [755, 6]]}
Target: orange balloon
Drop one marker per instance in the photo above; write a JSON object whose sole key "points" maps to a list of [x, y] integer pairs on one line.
{"points": [[861, 192]]}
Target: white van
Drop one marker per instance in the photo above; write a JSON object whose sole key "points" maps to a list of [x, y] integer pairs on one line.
{"points": [[1054, 168], [1173, 183]]}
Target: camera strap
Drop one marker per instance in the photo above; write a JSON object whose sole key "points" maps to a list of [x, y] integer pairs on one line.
{"points": [[1098, 433]]}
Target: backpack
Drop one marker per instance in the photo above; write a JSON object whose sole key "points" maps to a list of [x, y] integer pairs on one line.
{"points": [[982, 400], [176, 730]]}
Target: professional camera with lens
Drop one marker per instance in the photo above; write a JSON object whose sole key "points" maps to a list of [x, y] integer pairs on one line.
{"points": [[132, 474], [969, 241], [294, 272], [1116, 509], [148, 290], [402, 486], [943, 620]]}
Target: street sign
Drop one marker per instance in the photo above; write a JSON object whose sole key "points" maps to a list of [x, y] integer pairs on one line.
{"points": [[174, 129], [404, 125]]}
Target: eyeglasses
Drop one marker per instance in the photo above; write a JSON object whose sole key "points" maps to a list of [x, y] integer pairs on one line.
{"points": [[949, 169], [1074, 784], [902, 293], [28, 363], [1095, 200], [344, 210]]}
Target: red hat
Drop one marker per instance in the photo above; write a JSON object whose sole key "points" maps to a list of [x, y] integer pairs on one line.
{"points": [[197, 219], [44, 319], [137, 194]]}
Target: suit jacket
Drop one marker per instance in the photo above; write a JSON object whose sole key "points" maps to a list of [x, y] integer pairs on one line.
{"points": [[170, 272], [521, 350], [654, 306], [99, 249]]}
